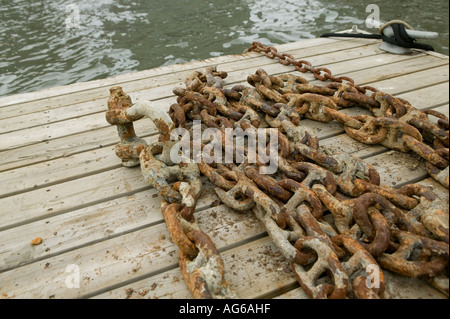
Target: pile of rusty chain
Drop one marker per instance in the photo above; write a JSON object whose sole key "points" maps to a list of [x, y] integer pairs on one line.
{"points": [[200, 262], [328, 215]]}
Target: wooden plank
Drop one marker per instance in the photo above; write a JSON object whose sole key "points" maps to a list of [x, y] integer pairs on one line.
{"points": [[63, 147], [437, 54], [160, 87], [137, 75], [91, 224], [88, 190], [398, 168], [402, 69], [255, 270], [146, 83], [58, 170], [133, 255]]}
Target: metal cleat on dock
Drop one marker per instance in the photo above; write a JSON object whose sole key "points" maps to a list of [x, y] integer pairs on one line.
{"points": [[398, 36]]}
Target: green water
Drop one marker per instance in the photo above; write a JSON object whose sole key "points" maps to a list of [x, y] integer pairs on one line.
{"points": [[55, 42]]}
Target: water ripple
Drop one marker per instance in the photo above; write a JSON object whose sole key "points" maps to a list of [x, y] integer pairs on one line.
{"points": [[38, 50]]}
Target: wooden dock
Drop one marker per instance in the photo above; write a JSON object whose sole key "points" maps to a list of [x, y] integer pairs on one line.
{"points": [[101, 223]]}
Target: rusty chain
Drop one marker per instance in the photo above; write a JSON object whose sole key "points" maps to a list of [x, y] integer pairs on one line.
{"points": [[200, 262], [327, 214], [395, 124]]}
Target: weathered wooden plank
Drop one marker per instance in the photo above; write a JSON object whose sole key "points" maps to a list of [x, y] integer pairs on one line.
{"points": [[81, 192], [133, 255], [58, 170], [90, 122], [254, 270], [29, 135], [403, 69], [161, 87], [137, 75], [146, 83], [63, 147], [398, 168], [94, 223]]}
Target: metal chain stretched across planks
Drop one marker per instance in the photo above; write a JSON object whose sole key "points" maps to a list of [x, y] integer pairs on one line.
{"points": [[358, 230], [396, 124]]}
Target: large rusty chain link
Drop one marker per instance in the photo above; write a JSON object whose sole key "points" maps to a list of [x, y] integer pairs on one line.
{"points": [[200, 262], [328, 214]]}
